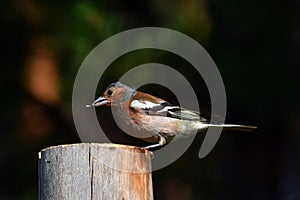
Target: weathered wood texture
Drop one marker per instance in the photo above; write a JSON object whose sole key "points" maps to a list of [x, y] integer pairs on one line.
{"points": [[95, 171]]}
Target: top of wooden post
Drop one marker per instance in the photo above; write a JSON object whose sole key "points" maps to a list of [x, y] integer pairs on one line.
{"points": [[95, 171]]}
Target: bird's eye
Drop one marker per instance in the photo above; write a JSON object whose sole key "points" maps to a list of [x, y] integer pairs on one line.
{"points": [[109, 92]]}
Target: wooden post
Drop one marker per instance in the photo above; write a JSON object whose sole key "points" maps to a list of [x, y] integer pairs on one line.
{"points": [[95, 171]]}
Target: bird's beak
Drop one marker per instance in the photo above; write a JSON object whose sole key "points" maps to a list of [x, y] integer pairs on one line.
{"points": [[99, 102]]}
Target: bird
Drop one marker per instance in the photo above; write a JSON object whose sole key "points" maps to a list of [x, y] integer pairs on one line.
{"points": [[153, 119]]}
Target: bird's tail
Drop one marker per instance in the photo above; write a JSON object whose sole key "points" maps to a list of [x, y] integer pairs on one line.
{"points": [[234, 127]]}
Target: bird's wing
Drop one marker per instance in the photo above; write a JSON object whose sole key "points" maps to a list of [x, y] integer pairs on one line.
{"points": [[163, 108]]}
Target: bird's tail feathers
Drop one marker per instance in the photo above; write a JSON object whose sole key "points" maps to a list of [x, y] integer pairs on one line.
{"points": [[234, 127]]}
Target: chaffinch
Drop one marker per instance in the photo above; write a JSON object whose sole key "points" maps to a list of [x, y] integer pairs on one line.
{"points": [[153, 119]]}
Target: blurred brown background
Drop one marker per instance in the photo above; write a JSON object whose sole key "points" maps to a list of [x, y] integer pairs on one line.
{"points": [[255, 44]]}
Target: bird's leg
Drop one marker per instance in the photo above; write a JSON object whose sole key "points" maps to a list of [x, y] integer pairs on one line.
{"points": [[162, 142]]}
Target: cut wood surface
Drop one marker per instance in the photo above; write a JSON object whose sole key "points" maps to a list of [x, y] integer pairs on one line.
{"points": [[95, 171]]}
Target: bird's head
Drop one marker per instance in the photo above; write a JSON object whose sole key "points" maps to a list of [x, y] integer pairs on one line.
{"points": [[114, 94]]}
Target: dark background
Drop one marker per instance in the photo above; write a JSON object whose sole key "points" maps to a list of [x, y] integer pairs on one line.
{"points": [[255, 44]]}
